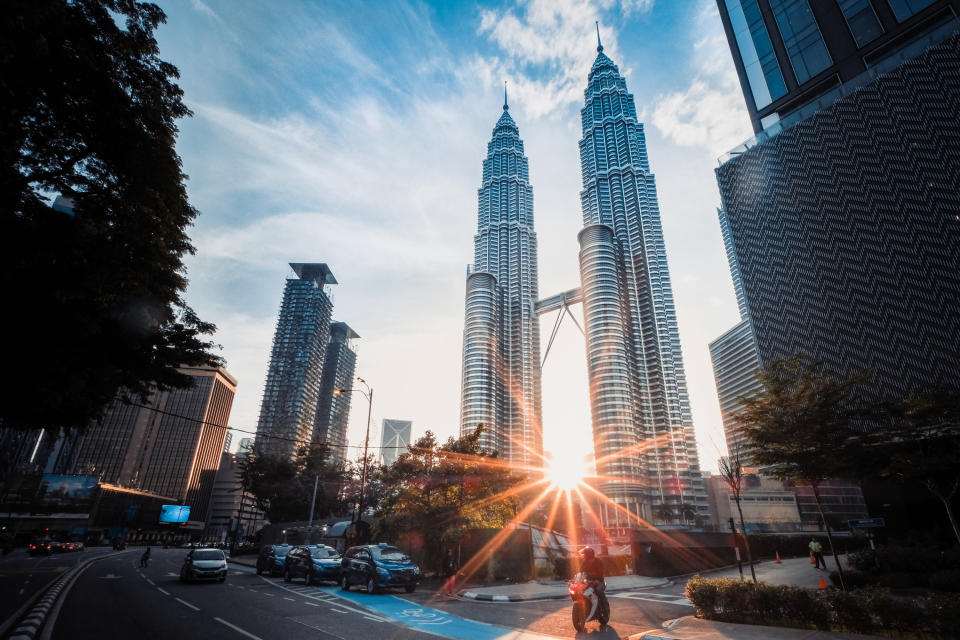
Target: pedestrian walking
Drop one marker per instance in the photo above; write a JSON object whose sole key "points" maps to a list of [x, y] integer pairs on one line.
{"points": [[816, 550], [145, 558]]}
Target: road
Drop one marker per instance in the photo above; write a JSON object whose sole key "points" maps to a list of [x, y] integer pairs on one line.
{"points": [[115, 599], [21, 575]]}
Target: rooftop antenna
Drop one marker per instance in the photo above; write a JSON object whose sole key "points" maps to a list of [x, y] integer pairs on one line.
{"points": [[505, 107], [599, 46]]}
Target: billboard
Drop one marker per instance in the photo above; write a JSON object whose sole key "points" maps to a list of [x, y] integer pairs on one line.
{"points": [[66, 494], [174, 514]]}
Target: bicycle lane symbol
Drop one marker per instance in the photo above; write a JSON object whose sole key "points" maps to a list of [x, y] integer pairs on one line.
{"points": [[424, 617]]}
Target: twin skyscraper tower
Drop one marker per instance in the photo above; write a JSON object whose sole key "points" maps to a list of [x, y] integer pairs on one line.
{"points": [[644, 447]]}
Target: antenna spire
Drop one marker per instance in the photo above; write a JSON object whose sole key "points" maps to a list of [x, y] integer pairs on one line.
{"points": [[599, 46], [505, 107]]}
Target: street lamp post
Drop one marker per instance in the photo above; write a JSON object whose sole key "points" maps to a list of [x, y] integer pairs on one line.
{"points": [[366, 442]]}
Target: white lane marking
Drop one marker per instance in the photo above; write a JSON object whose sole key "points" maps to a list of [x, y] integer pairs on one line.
{"points": [[152, 583], [185, 603], [335, 610], [332, 597], [237, 629], [290, 599], [654, 597], [267, 594], [323, 631], [310, 604], [166, 593]]}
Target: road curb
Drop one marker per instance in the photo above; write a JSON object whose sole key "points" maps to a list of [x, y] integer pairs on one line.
{"points": [[28, 627], [485, 597]]}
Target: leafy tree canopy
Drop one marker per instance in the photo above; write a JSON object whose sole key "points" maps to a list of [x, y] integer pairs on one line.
{"points": [[284, 487], [88, 111], [440, 490]]}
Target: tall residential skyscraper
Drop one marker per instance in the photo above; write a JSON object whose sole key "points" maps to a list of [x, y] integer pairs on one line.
{"points": [[170, 447], [734, 355], [643, 431], [844, 210], [394, 439], [501, 340], [333, 411], [288, 410]]}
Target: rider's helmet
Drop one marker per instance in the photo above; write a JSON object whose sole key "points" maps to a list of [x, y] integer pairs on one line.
{"points": [[587, 553]]}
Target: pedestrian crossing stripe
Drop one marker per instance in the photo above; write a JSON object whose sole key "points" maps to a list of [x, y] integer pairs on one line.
{"points": [[663, 598]]}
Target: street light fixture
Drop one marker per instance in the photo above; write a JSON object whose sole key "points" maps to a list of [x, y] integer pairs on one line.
{"points": [[368, 393]]}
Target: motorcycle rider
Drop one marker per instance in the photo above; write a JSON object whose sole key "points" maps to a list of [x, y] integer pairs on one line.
{"points": [[592, 567]]}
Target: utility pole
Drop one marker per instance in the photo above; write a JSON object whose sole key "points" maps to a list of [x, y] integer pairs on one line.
{"points": [[313, 503]]}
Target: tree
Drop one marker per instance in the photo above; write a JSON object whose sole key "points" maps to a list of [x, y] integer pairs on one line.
{"points": [[800, 425], [88, 111], [438, 491], [284, 487], [731, 470], [921, 445]]}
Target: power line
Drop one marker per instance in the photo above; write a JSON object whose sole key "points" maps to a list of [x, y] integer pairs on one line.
{"points": [[253, 433]]}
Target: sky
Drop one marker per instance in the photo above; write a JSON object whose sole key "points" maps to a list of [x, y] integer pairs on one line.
{"points": [[352, 133]]}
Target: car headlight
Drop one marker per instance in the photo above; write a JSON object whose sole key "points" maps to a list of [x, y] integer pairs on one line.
{"points": [[416, 570], [383, 573]]}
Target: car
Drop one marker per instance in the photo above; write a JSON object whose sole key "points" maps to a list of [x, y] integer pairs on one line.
{"points": [[271, 559], [204, 564], [313, 563], [378, 566], [39, 547]]}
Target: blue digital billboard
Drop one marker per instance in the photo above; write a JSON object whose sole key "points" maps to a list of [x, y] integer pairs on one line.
{"points": [[174, 514]]}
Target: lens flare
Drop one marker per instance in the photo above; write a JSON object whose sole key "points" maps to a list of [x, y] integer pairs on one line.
{"points": [[566, 473]]}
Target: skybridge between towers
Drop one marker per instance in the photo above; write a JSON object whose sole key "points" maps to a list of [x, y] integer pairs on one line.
{"points": [[561, 301]]}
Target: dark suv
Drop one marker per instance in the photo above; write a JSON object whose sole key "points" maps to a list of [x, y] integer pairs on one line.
{"points": [[378, 566], [271, 558], [313, 563]]}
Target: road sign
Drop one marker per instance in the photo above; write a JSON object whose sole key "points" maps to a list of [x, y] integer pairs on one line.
{"points": [[870, 523]]}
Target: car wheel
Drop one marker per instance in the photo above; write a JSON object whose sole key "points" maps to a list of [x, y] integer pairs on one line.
{"points": [[372, 586], [223, 579], [286, 576], [410, 588], [259, 570], [344, 583], [308, 579]]}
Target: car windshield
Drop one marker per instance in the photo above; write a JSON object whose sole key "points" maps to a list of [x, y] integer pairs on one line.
{"points": [[281, 551], [324, 552], [390, 554], [208, 554]]}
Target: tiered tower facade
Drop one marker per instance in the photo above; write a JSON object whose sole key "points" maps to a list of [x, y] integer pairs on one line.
{"points": [[643, 430], [501, 343]]}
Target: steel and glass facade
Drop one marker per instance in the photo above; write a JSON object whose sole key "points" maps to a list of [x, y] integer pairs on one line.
{"points": [[643, 431], [501, 342], [333, 410], [792, 54], [288, 409]]}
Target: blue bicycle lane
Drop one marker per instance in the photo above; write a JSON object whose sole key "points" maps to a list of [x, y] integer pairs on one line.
{"points": [[409, 614], [431, 621]]}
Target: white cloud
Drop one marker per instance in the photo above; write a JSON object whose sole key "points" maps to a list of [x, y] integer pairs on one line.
{"points": [[548, 47], [710, 112]]}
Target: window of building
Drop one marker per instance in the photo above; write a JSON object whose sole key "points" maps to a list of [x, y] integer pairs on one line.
{"points": [[756, 52], [903, 9], [862, 20], [801, 36]]}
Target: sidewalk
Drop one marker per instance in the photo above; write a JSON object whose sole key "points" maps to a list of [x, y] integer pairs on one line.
{"points": [[690, 628], [792, 572], [553, 590]]}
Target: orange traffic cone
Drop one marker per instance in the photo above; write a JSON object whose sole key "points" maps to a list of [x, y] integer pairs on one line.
{"points": [[823, 584], [812, 559], [778, 557]]}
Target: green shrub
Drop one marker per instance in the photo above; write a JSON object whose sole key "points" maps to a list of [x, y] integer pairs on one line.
{"points": [[895, 614], [943, 615], [948, 580], [850, 612], [852, 579]]}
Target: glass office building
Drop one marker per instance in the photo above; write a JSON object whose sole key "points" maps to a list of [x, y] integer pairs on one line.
{"points": [[501, 341], [333, 410], [643, 430]]}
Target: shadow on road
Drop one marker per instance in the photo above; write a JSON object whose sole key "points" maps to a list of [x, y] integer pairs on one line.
{"points": [[609, 633]]}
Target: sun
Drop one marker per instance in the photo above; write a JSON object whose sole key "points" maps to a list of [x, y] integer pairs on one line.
{"points": [[566, 473]]}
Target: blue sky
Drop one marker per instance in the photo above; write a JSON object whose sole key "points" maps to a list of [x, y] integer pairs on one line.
{"points": [[353, 134]]}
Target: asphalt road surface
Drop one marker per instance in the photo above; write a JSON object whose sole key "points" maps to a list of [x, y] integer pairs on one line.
{"points": [[115, 599], [21, 575]]}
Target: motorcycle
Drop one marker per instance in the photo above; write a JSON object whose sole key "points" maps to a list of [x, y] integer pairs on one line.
{"points": [[587, 603]]}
